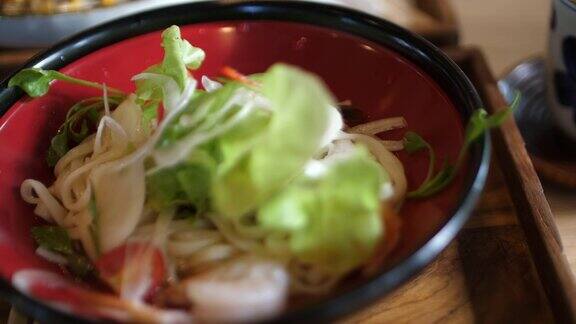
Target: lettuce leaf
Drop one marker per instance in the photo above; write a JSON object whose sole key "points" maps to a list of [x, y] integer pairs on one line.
{"points": [[300, 107], [187, 178], [259, 154], [333, 220], [186, 184], [179, 56], [234, 144]]}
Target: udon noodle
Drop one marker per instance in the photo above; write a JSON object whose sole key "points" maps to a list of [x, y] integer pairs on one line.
{"points": [[190, 247]]}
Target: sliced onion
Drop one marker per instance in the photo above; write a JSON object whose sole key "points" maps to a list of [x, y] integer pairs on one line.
{"points": [[378, 126], [51, 256], [210, 85], [168, 84], [393, 146], [387, 159]]}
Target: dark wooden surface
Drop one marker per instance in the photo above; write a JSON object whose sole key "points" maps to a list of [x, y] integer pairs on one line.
{"points": [[561, 172], [11, 59], [446, 31]]}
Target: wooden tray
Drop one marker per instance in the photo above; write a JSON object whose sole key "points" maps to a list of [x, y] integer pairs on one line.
{"points": [[507, 265]]}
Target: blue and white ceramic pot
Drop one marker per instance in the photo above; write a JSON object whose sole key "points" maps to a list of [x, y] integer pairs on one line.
{"points": [[562, 65]]}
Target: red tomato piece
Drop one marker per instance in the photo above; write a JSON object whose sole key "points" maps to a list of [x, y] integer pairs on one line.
{"points": [[128, 262], [160, 114]]}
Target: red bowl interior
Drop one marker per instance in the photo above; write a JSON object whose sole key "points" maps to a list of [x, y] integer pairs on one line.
{"points": [[376, 80]]}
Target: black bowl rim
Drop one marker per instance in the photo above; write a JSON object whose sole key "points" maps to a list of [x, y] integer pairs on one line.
{"points": [[417, 50]]}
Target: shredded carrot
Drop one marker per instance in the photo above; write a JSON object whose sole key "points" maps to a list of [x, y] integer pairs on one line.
{"points": [[392, 228], [237, 76]]}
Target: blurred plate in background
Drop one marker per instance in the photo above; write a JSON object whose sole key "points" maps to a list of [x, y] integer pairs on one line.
{"points": [[41, 23], [43, 30]]}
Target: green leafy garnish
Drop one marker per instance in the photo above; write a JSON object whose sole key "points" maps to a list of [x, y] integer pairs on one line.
{"points": [[80, 118], [53, 238], [81, 121], [36, 82], [186, 184], [480, 122], [435, 184], [414, 143], [56, 239], [58, 148]]}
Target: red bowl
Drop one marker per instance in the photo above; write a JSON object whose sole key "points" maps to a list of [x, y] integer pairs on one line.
{"points": [[384, 70]]}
